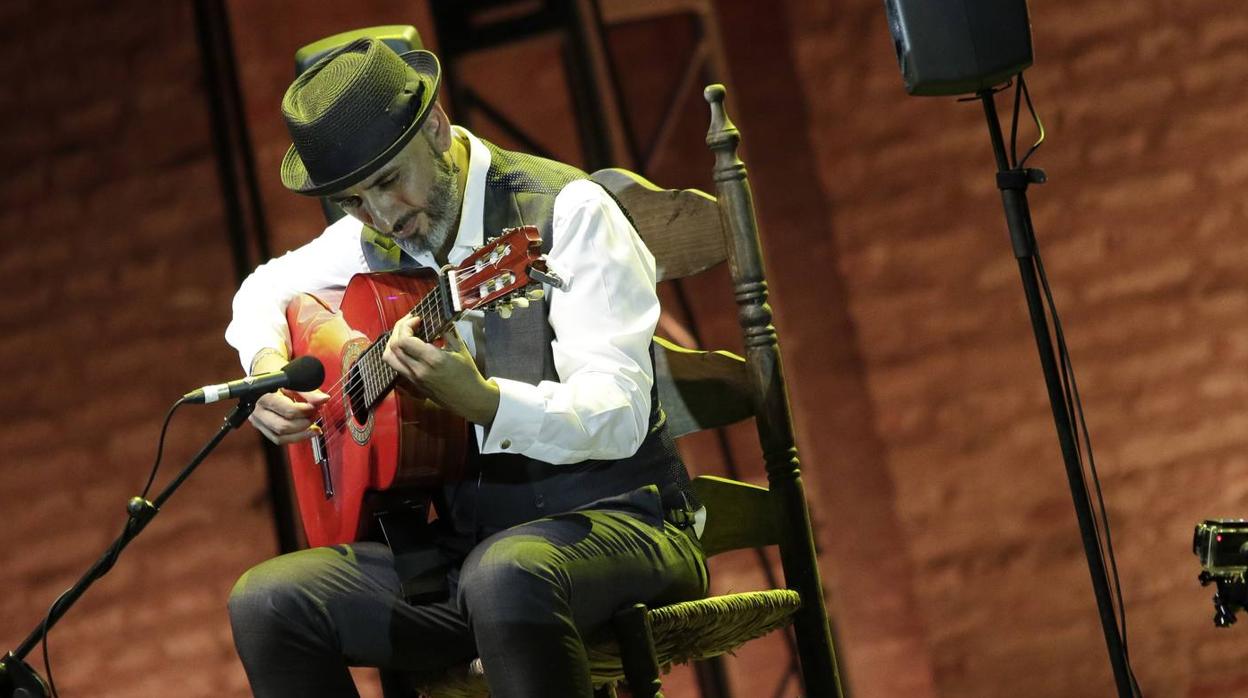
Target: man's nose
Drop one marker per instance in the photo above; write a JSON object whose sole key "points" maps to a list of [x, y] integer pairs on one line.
{"points": [[386, 214]]}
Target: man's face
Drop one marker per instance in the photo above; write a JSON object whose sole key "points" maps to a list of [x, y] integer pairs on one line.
{"points": [[411, 199]]}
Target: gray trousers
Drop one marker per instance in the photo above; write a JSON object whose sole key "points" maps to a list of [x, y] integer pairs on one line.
{"points": [[524, 600]]}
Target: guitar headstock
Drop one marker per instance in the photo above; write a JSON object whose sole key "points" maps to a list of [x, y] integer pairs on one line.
{"points": [[500, 271]]}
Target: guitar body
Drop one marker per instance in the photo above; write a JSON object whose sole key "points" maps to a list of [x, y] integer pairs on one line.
{"points": [[402, 444]]}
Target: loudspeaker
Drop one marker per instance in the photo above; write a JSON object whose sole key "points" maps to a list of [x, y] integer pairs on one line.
{"points": [[952, 47]]}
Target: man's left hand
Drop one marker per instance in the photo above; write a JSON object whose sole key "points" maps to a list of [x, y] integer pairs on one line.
{"points": [[448, 375]]}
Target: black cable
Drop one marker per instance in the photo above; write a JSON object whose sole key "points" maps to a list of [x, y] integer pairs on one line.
{"points": [[1070, 390], [47, 665], [1014, 125], [1079, 423], [1022, 87], [110, 556], [160, 446]]}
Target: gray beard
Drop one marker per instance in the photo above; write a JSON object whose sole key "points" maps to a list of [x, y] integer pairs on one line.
{"points": [[441, 212]]}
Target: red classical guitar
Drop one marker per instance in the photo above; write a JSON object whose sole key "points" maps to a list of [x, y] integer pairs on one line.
{"points": [[373, 438]]}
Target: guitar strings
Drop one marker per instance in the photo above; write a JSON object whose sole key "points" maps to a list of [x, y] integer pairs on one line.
{"points": [[357, 382], [434, 302]]}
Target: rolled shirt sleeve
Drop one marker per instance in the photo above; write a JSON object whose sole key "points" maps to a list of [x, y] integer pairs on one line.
{"points": [[603, 320], [327, 262]]}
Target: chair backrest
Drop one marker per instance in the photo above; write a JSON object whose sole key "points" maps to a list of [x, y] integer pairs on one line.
{"points": [[698, 389], [681, 227], [687, 232]]}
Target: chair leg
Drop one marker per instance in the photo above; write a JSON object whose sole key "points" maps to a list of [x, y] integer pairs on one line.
{"points": [[606, 690], [641, 667]]}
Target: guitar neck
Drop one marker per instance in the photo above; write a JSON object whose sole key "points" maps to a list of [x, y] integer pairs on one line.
{"points": [[490, 275], [371, 377]]}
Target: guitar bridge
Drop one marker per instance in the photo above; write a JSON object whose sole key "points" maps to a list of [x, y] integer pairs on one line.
{"points": [[322, 459]]}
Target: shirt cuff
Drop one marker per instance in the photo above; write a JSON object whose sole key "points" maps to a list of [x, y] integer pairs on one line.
{"points": [[521, 407], [247, 353]]}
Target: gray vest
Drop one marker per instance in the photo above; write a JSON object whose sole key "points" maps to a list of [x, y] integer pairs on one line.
{"points": [[509, 488]]}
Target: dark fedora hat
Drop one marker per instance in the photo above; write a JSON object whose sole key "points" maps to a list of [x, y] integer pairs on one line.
{"points": [[352, 111]]}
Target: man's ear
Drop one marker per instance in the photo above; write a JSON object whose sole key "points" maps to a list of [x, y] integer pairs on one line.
{"points": [[437, 128]]}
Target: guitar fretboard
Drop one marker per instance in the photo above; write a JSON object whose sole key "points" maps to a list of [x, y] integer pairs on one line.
{"points": [[371, 377]]}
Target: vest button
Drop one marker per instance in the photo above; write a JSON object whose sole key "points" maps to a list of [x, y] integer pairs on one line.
{"points": [[540, 501], [505, 443]]}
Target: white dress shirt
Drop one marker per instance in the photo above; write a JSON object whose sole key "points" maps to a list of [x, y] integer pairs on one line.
{"points": [[603, 321]]}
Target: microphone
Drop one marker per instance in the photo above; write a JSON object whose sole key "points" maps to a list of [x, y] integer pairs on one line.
{"points": [[302, 374]]}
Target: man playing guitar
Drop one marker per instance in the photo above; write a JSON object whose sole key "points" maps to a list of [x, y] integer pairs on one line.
{"points": [[572, 502]]}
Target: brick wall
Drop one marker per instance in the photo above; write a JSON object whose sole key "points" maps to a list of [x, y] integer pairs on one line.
{"points": [[1141, 227], [950, 548], [117, 278]]}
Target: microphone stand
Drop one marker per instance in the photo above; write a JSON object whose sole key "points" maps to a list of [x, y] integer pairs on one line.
{"points": [[17, 678], [1013, 185]]}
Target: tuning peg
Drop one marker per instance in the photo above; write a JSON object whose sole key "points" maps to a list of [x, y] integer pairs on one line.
{"points": [[535, 294], [504, 310], [546, 277], [520, 302]]}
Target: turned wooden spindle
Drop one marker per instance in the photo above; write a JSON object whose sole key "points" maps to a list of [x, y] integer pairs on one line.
{"points": [[771, 401]]}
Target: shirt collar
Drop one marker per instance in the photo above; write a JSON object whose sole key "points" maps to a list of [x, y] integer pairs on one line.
{"points": [[470, 234]]}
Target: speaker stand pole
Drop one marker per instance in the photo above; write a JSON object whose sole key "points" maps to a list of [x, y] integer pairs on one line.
{"points": [[1013, 185]]}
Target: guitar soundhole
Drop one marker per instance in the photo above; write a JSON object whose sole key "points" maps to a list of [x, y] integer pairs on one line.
{"points": [[354, 398]]}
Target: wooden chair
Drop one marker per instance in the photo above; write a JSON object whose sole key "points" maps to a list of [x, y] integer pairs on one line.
{"points": [[689, 232]]}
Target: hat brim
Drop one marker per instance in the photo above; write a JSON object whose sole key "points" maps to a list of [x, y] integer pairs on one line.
{"points": [[295, 176]]}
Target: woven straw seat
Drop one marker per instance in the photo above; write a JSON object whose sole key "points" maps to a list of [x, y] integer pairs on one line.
{"points": [[713, 626], [682, 632]]}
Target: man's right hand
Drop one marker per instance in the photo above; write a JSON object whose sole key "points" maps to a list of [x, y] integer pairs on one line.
{"points": [[285, 416]]}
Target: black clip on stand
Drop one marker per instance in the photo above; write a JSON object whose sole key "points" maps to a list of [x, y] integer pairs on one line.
{"points": [[17, 678], [1013, 185]]}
